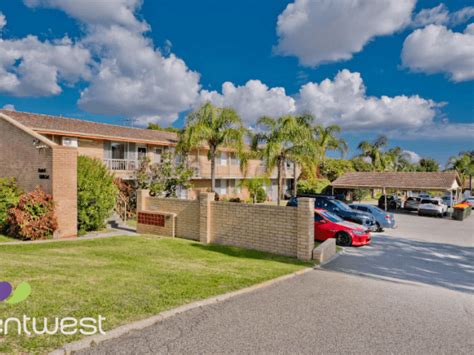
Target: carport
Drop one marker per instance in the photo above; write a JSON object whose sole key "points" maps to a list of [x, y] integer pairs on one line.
{"points": [[401, 182]]}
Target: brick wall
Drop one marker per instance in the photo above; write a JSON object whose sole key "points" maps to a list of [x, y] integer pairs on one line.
{"points": [[64, 189], [52, 167], [187, 214], [261, 227], [19, 158], [91, 148], [275, 229]]}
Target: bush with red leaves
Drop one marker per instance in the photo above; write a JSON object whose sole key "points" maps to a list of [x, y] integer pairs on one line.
{"points": [[33, 217]]}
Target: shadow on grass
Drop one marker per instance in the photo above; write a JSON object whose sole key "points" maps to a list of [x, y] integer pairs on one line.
{"points": [[444, 265], [248, 253]]}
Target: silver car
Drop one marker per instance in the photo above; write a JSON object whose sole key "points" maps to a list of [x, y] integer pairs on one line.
{"points": [[382, 219], [412, 203]]}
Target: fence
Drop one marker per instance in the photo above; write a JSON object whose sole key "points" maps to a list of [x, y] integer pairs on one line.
{"points": [[276, 229]]}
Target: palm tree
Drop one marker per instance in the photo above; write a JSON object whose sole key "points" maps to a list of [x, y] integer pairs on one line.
{"points": [[464, 165], [215, 128], [374, 152], [396, 159], [326, 138], [284, 139]]}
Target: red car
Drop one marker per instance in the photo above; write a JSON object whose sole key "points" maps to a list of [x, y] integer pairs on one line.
{"points": [[328, 225]]}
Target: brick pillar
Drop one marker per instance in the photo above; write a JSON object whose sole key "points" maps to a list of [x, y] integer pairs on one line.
{"points": [[142, 195], [205, 199], [305, 222]]}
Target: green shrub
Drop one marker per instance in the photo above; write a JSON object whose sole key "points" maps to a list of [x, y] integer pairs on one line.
{"points": [[96, 194], [261, 195], [313, 186], [9, 197], [33, 217]]}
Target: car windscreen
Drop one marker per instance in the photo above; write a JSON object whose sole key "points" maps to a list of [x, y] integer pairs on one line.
{"points": [[331, 217], [342, 206], [433, 202]]}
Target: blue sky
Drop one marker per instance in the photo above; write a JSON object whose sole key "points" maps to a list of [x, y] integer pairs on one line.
{"points": [[162, 58]]}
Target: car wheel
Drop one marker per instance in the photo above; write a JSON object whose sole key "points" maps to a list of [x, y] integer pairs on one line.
{"points": [[343, 239], [379, 228]]}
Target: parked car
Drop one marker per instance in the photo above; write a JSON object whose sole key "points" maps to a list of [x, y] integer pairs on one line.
{"points": [[382, 219], [340, 209], [393, 202], [328, 225], [449, 200], [470, 201], [432, 207], [424, 195], [412, 203]]}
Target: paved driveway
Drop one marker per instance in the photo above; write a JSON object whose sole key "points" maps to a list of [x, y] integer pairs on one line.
{"points": [[410, 292]]}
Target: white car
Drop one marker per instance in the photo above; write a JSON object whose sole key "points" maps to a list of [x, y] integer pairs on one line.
{"points": [[432, 207]]}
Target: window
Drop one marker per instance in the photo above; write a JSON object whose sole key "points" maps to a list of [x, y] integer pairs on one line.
{"points": [[235, 160], [118, 150], [318, 218], [234, 186], [157, 155], [221, 186], [141, 151], [223, 158]]}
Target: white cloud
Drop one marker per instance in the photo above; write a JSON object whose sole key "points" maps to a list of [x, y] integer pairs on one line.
{"points": [[252, 100], [130, 76], [145, 85], [30, 67], [343, 101], [94, 12], [437, 49], [3, 21], [9, 107], [318, 31], [437, 131], [439, 15], [413, 157]]}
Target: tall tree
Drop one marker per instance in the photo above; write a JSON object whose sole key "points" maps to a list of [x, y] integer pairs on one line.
{"points": [[428, 164], [214, 128], [463, 163], [284, 139], [327, 139], [396, 159], [374, 152]]}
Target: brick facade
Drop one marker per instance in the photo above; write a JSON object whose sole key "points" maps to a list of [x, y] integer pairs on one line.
{"points": [[35, 161], [275, 229]]}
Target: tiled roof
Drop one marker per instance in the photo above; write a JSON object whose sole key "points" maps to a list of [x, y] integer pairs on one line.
{"points": [[54, 124], [398, 180]]}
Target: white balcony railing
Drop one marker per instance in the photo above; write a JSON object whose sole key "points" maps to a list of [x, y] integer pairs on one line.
{"points": [[121, 164]]}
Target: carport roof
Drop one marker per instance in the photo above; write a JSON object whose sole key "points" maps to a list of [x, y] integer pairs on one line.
{"points": [[399, 180]]}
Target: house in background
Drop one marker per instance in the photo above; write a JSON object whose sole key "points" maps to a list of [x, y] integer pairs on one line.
{"points": [[121, 149]]}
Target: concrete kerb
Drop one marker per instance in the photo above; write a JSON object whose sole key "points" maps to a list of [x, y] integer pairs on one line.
{"points": [[94, 340]]}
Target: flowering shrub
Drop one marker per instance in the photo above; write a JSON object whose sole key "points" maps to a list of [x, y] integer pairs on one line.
{"points": [[33, 217], [9, 196]]}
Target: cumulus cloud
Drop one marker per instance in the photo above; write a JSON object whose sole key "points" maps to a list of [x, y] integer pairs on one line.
{"points": [[318, 31], [440, 15], [93, 12], [30, 67], [413, 157], [344, 101], [252, 100], [145, 85], [3, 21], [437, 49], [130, 76], [9, 107]]}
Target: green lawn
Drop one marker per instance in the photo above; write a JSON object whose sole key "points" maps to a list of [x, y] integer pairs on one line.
{"points": [[123, 279], [5, 239]]}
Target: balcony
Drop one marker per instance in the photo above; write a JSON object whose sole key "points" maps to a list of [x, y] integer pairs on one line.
{"points": [[121, 164]]}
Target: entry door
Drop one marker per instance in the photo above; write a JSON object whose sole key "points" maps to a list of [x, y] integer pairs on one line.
{"points": [[141, 152]]}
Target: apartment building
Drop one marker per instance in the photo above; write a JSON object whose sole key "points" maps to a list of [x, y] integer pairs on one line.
{"points": [[121, 148]]}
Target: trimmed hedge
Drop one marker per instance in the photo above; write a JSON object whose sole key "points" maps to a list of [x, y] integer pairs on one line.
{"points": [[96, 194], [9, 197]]}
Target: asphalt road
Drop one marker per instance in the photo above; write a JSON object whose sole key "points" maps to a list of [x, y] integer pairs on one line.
{"points": [[407, 293]]}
